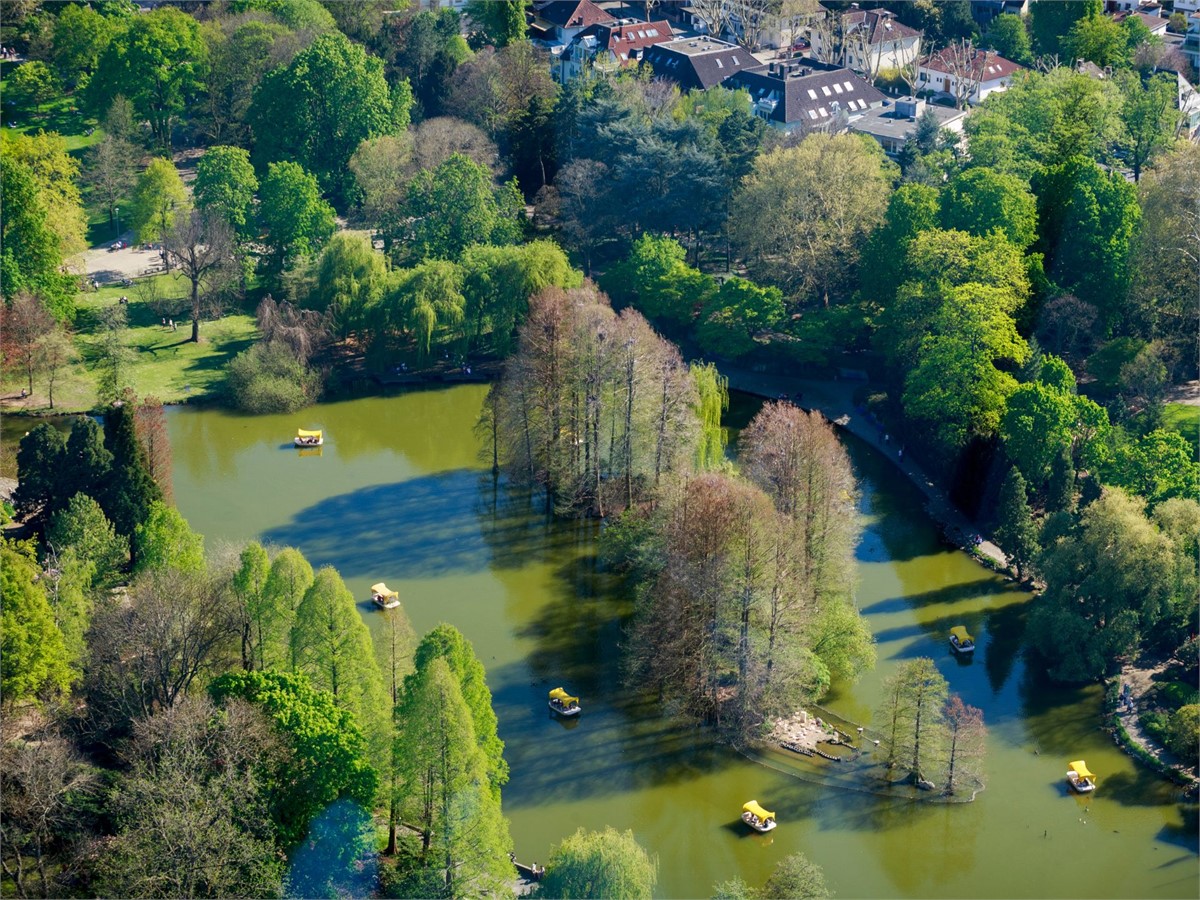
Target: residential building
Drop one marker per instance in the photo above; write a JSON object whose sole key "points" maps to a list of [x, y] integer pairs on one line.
{"points": [[1189, 108], [1151, 7], [983, 11], [966, 74], [895, 122], [867, 41], [804, 95], [458, 5], [1155, 23], [1191, 41], [559, 21], [698, 63], [610, 47]]}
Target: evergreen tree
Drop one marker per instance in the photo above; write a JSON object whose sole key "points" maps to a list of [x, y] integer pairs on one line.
{"points": [[1015, 529], [86, 461], [332, 646], [39, 465], [33, 658], [130, 490], [289, 579], [910, 717], [164, 540], [1060, 491], [82, 528], [249, 582]]}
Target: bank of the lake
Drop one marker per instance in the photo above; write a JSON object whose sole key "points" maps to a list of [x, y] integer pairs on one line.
{"points": [[400, 494]]}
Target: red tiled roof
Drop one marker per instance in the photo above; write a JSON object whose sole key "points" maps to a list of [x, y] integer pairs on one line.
{"points": [[987, 65], [881, 25], [574, 14]]}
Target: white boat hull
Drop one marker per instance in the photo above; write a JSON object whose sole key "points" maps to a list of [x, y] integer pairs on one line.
{"points": [[564, 711], [760, 826], [300, 443], [385, 604], [1080, 785], [964, 649]]}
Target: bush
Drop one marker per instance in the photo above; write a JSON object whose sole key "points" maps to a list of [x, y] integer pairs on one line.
{"points": [[267, 378], [1183, 732]]}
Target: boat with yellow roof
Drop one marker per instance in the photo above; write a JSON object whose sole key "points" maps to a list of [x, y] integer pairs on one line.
{"points": [[961, 641], [563, 703], [756, 817], [1079, 778], [384, 598], [308, 438]]}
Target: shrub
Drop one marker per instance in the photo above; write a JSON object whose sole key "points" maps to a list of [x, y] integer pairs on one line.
{"points": [[1183, 732], [268, 378]]}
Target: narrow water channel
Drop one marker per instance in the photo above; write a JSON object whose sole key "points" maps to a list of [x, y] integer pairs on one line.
{"points": [[400, 494]]}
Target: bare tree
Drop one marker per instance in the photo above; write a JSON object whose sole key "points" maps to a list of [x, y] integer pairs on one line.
{"points": [[825, 36], [910, 70], [57, 351], [305, 332], [202, 247], [966, 735], [24, 324], [110, 172], [966, 66], [435, 140], [714, 14]]}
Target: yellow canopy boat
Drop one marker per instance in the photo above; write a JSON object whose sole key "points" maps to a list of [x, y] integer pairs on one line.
{"points": [[308, 438], [383, 597], [563, 703], [1079, 778], [961, 641], [758, 818]]}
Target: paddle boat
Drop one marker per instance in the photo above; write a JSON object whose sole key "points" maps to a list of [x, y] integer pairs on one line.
{"points": [[961, 641], [563, 703], [383, 598], [1079, 778], [758, 818], [308, 438]]}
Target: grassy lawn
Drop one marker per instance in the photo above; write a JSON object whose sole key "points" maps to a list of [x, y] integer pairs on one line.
{"points": [[1185, 419], [57, 115], [167, 364]]}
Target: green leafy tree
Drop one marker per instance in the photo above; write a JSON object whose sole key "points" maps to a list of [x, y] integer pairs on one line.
{"points": [[332, 646], [166, 541], [80, 35], [1050, 21], [158, 198], [317, 110], [1014, 527], [225, 186], [658, 281], [501, 23], [1158, 466], [268, 378], [156, 61], [31, 85], [425, 299], [1060, 489], [910, 718], [33, 657], [351, 278], [981, 200], [82, 528], [130, 491], [249, 582], [1149, 117], [736, 314], [912, 209], [327, 759], [796, 876], [1008, 36], [39, 465], [30, 251], [1097, 39], [1108, 582], [600, 864], [288, 581], [296, 220], [446, 789], [298, 15], [1038, 423], [56, 173], [456, 205]]}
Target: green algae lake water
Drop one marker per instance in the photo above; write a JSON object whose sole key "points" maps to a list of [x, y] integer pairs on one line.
{"points": [[399, 494]]}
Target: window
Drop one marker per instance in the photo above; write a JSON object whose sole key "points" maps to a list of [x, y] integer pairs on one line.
{"points": [[837, 89], [824, 112], [826, 91], [653, 32], [812, 95], [812, 114], [719, 66], [848, 86], [736, 61]]}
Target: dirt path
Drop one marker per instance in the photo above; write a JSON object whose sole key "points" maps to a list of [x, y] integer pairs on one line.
{"points": [[1138, 678], [1187, 393], [835, 400]]}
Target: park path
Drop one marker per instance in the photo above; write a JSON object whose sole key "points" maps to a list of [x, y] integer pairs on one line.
{"points": [[835, 400]]}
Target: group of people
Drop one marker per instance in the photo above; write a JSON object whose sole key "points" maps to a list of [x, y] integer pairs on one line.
{"points": [[170, 323], [8, 53]]}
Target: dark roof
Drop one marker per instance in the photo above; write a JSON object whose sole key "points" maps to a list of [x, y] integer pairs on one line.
{"points": [[573, 13], [880, 25], [698, 63], [807, 92], [986, 65], [626, 39]]}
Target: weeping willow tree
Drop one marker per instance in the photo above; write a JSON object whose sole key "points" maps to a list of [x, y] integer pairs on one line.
{"points": [[712, 389]]}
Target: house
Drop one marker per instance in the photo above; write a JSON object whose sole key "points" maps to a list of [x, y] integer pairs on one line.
{"points": [[458, 5], [685, 16], [610, 47], [867, 41], [983, 11], [895, 122], [559, 21], [1189, 108], [1151, 7], [804, 95], [966, 73], [1155, 23], [698, 63], [1191, 41]]}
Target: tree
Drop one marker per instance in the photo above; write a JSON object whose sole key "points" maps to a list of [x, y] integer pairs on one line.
{"points": [[332, 646], [351, 278], [736, 314], [803, 212], [796, 877], [157, 197], [981, 200], [1108, 582], [1051, 21], [501, 23], [658, 281], [1041, 420], [39, 462], [32, 84], [910, 718], [382, 166], [82, 528], [31, 256], [965, 734], [225, 186], [296, 220], [130, 491], [912, 209], [317, 110], [33, 658], [166, 541], [201, 246], [191, 816], [1149, 115], [598, 864], [268, 378], [80, 36], [393, 651], [58, 351], [287, 582], [1158, 466], [248, 583], [445, 787], [114, 358], [25, 323], [424, 51], [1008, 36], [1015, 529], [155, 61], [456, 205], [109, 172], [1097, 39]]}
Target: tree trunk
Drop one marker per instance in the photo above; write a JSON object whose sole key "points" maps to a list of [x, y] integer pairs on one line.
{"points": [[195, 311]]}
